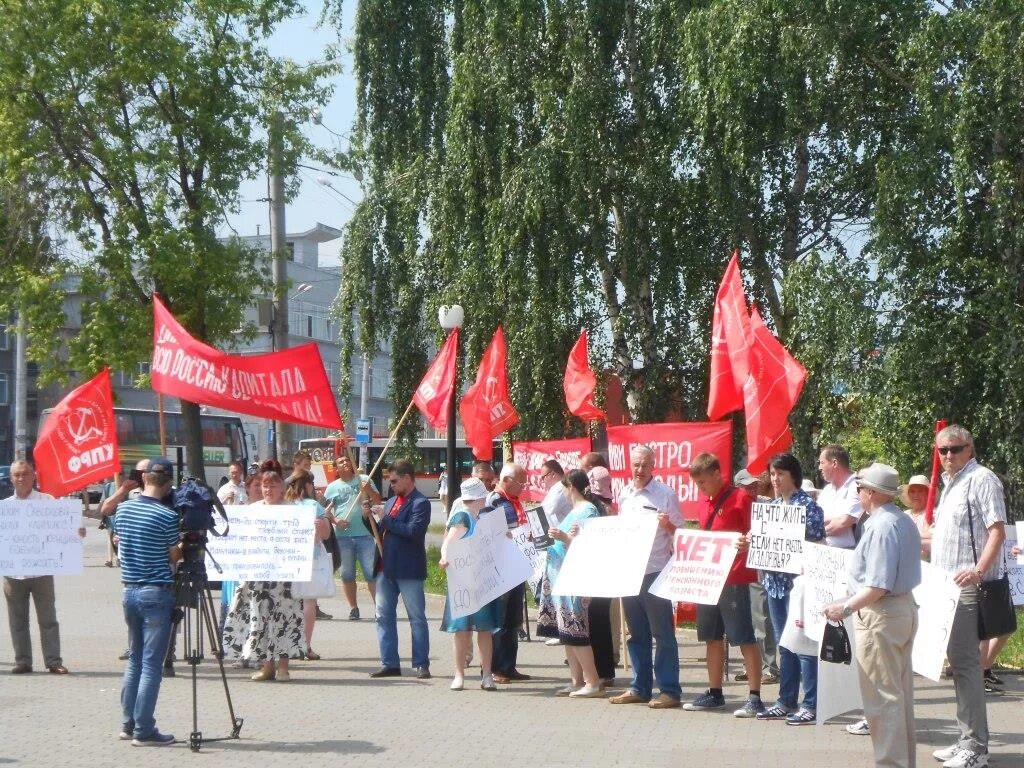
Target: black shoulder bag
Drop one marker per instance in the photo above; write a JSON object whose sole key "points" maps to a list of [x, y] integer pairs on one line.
{"points": [[996, 616]]}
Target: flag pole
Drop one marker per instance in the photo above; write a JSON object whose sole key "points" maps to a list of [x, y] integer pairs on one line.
{"points": [[163, 428], [933, 481]]}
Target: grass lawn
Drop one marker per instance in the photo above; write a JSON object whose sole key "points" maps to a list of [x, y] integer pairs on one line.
{"points": [[1013, 652]]}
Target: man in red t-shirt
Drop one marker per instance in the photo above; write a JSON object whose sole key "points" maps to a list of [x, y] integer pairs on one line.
{"points": [[723, 507]]}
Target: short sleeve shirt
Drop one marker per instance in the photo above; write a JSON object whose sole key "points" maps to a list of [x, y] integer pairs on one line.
{"points": [[733, 515], [835, 502], [342, 493], [654, 498], [978, 488], [888, 555]]}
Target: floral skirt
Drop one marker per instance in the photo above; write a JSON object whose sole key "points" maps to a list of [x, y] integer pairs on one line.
{"points": [[264, 623], [563, 617]]}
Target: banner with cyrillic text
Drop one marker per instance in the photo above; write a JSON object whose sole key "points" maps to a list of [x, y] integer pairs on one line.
{"points": [[776, 537], [537, 557], [674, 445], [483, 566], [39, 537], [824, 581], [699, 567], [290, 385], [936, 596], [531, 455], [608, 557], [265, 543], [1014, 568]]}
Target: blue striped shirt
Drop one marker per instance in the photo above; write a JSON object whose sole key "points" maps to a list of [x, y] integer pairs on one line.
{"points": [[146, 529]]}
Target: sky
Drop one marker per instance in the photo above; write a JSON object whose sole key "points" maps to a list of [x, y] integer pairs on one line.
{"points": [[301, 40]]}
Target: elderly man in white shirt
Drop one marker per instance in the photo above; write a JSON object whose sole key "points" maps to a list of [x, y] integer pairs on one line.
{"points": [[838, 499], [556, 502], [967, 543]]}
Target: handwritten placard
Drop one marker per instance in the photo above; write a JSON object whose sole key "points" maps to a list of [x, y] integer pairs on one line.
{"points": [[39, 537], [936, 596], [537, 557], [608, 557], [776, 537], [699, 567], [265, 543], [1014, 567], [484, 566], [824, 580]]}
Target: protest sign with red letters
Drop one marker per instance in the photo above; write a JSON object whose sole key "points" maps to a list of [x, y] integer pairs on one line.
{"points": [[77, 443], [674, 445], [531, 455], [290, 385], [699, 567]]}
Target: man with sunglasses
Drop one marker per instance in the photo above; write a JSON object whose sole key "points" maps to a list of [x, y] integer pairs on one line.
{"points": [[967, 543]]}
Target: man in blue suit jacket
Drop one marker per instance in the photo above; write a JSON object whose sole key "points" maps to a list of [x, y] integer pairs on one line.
{"points": [[403, 569]]}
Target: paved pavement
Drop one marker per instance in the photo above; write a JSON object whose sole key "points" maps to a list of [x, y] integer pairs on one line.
{"points": [[332, 711]]}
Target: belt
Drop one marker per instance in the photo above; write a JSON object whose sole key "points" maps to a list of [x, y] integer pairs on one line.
{"points": [[163, 584]]}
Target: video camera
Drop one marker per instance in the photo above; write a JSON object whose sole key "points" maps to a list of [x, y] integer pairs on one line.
{"points": [[195, 502]]}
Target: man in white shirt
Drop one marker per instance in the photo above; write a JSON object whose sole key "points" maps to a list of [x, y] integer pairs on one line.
{"points": [[556, 503], [18, 589], [233, 491], [838, 499]]}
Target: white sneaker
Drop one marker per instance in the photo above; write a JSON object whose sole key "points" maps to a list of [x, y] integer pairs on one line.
{"points": [[966, 758], [553, 641], [942, 755], [569, 690], [860, 728], [588, 692]]}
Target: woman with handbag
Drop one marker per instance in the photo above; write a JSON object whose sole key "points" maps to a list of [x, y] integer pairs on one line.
{"points": [[301, 490], [264, 624]]}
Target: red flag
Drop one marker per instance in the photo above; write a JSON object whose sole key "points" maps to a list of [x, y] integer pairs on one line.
{"points": [[486, 409], [437, 388], [771, 390], [290, 385], [77, 443], [730, 331], [580, 382]]}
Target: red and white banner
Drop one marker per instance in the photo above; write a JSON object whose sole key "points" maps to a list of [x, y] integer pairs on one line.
{"points": [[674, 445], [699, 567], [77, 443], [290, 385], [531, 455]]}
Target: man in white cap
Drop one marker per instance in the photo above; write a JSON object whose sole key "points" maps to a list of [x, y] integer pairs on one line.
{"points": [[885, 568]]}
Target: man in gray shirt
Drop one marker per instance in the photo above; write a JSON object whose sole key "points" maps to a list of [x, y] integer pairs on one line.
{"points": [[885, 567]]}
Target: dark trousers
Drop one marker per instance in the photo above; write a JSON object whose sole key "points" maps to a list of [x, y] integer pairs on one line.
{"points": [[506, 640], [601, 636]]}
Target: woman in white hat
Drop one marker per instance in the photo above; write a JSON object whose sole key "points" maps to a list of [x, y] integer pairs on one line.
{"points": [[915, 495], [488, 619]]}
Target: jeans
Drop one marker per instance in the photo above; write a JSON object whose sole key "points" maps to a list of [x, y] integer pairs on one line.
{"points": [[147, 612], [650, 619], [354, 548], [40, 589], [792, 667], [411, 590]]}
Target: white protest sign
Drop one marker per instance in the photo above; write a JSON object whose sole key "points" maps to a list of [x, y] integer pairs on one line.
{"points": [[537, 557], [776, 537], [1018, 535], [39, 537], [824, 582], [1014, 570], [839, 684], [699, 567], [265, 543], [484, 566], [936, 597], [608, 557]]}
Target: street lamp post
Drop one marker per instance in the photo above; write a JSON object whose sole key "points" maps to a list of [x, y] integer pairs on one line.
{"points": [[279, 340], [451, 318]]}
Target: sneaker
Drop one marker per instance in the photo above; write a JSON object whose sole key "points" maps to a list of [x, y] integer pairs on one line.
{"points": [[487, 684], [802, 716], [752, 708], [942, 755], [774, 712], [125, 734], [992, 687], [353, 615], [323, 616], [966, 758], [991, 678], [706, 700], [553, 641], [741, 677], [860, 728], [155, 739], [769, 678], [588, 692]]}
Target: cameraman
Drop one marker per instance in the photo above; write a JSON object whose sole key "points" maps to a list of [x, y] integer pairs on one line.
{"points": [[148, 541]]}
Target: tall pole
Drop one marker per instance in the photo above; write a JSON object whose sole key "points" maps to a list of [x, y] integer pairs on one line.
{"points": [[20, 391], [450, 318], [364, 396], [281, 445]]}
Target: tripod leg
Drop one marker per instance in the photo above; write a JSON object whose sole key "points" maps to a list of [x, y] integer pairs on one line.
{"points": [[216, 643]]}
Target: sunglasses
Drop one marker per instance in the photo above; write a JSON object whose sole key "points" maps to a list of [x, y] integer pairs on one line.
{"points": [[954, 449]]}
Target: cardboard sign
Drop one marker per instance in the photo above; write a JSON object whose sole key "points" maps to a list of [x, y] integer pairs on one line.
{"points": [[537, 557], [484, 566], [531, 455], [674, 445], [776, 537], [265, 543], [608, 558], [699, 568], [824, 581], [936, 596], [39, 537], [1014, 569]]}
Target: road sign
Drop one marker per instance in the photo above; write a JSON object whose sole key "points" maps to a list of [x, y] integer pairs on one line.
{"points": [[363, 427]]}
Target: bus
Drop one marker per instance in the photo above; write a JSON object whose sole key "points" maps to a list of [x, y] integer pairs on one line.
{"points": [[430, 458], [138, 436]]}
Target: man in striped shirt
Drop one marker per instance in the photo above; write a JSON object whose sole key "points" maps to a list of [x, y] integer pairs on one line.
{"points": [[148, 534]]}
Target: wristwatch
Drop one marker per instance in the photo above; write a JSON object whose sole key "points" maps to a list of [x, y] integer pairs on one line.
{"points": [[847, 611]]}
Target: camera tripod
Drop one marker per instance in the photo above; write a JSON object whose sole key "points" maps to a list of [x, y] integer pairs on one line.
{"points": [[195, 601]]}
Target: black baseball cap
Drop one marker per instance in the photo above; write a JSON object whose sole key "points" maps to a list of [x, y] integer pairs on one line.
{"points": [[160, 464]]}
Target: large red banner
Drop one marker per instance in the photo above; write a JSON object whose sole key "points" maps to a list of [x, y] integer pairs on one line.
{"points": [[77, 443], [531, 455], [674, 445], [290, 385]]}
